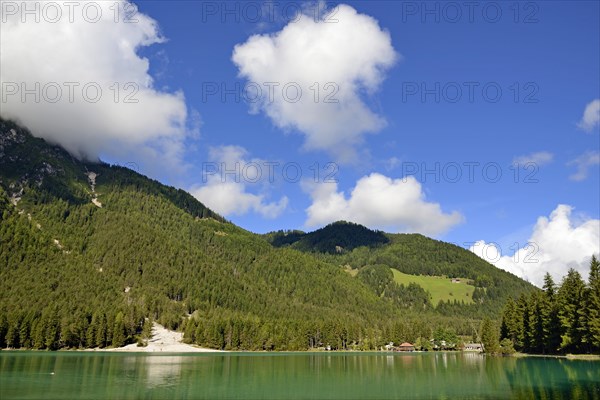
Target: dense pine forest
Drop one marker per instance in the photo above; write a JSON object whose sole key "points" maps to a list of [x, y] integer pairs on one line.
{"points": [[564, 318], [91, 254]]}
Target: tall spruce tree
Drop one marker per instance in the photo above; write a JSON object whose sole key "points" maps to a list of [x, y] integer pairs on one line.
{"points": [[101, 331], [537, 322], [510, 322], [489, 336], [118, 337], [551, 324], [524, 337], [592, 309], [571, 300]]}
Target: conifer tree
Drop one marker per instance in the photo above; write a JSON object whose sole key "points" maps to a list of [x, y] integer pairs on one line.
{"points": [[118, 336], [52, 331], [489, 336], [509, 328], [12, 333], [571, 301], [38, 333], [101, 331], [592, 334], [90, 340], [552, 326], [25, 331], [537, 322], [524, 338], [3, 328]]}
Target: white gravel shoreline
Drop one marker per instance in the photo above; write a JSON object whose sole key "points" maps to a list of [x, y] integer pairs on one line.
{"points": [[163, 340]]}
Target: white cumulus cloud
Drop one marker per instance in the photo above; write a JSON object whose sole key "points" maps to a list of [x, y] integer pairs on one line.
{"points": [[227, 178], [583, 163], [334, 60], [377, 201], [556, 244], [539, 158], [94, 91], [591, 116]]}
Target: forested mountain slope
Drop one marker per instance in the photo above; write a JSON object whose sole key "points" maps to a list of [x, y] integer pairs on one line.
{"points": [[90, 253], [373, 252]]}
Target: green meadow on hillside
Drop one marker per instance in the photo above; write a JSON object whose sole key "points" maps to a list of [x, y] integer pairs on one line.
{"points": [[441, 288]]}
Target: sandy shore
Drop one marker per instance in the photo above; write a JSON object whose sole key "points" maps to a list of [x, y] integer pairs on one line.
{"points": [[163, 340]]}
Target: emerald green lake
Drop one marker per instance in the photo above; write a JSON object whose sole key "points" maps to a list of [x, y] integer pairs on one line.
{"points": [[78, 375]]}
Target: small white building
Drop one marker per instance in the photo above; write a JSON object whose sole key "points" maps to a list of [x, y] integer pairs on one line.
{"points": [[476, 347]]}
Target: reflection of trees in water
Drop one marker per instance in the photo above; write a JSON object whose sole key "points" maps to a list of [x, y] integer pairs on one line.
{"points": [[494, 375], [163, 370], [545, 378], [331, 375]]}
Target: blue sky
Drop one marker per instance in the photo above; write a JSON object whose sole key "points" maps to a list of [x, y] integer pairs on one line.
{"points": [[558, 54], [543, 56]]}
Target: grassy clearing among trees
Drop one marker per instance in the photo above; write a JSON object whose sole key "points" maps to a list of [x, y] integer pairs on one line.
{"points": [[440, 288]]}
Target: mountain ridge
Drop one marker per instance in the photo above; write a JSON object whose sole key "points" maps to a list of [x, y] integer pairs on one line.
{"points": [[79, 274], [337, 237]]}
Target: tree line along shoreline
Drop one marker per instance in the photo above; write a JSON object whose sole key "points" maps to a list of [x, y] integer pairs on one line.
{"points": [[561, 320]]}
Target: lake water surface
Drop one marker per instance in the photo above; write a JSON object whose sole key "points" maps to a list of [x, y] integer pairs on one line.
{"points": [[79, 375]]}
